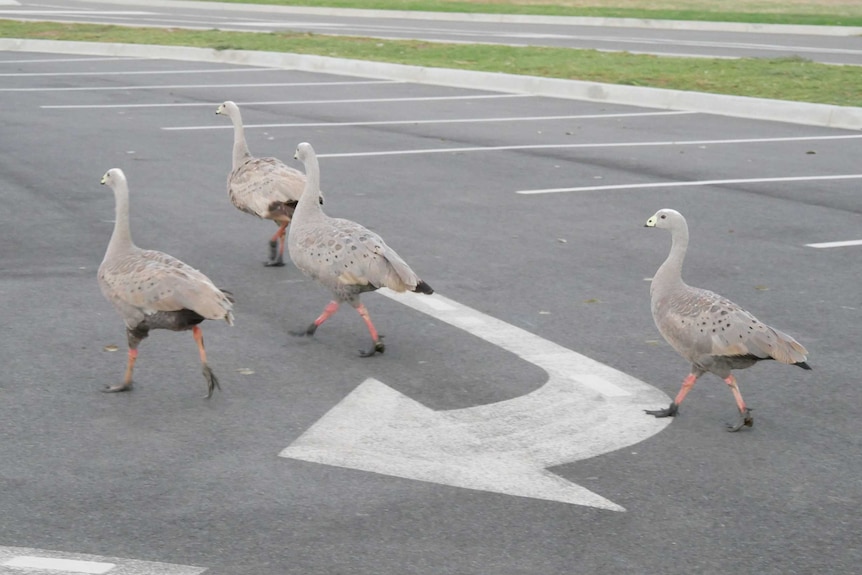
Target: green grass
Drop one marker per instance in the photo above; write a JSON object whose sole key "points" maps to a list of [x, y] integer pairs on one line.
{"points": [[783, 78], [807, 13]]}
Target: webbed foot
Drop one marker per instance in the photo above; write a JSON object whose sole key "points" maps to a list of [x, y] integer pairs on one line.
{"points": [[378, 347], [671, 411], [745, 420], [117, 388], [212, 381], [276, 260], [307, 332]]}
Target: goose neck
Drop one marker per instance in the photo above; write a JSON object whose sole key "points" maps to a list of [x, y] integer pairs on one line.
{"points": [[309, 202], [121, 238], [241, 153], [670, 273]]}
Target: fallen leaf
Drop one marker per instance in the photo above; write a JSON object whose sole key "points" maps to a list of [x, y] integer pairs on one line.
{"points": [[111, 347], [245, 371]]}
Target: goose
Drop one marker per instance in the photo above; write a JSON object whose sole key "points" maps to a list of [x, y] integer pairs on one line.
{"points": [[263, 187], [153, 290], [343, 255], [711, 332]]}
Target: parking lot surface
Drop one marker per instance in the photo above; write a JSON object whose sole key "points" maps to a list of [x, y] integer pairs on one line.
{"points": [[526, 215]]}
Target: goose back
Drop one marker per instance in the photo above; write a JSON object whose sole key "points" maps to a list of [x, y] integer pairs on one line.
{"points": [[266, 188], [144, 282]]}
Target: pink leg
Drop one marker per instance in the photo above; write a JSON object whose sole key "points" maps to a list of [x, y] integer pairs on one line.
{"points": [[367, 318], [687, 384], [731, 381], [199, 339], [673, 409], [209, 376], [127, 378], [746, 420], [279, 235], [276, 256], [375, 337], [328, 311]]}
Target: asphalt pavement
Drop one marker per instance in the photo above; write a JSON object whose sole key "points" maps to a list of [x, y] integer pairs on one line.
{"points": [[525, 213]]}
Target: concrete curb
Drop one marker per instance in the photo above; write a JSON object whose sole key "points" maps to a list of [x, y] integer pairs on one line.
{"points": [[738, 106], [507, 18]]}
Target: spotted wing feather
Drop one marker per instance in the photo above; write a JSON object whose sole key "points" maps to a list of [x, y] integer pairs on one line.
{"points": [[261, 186], [699, 323], [342, 253], [144, 282]]}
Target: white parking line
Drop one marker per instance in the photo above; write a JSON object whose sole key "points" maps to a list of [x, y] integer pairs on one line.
{"points": [[64, 60], [588, 146], [65, 565], [29, 561], [286, 102], [677, 184], [75, 12], [836, 244], [443, 121], [134, 72], [199, 86]]}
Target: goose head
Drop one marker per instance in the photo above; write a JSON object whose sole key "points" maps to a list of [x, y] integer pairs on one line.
{"points": [[226, 108], [666, 218], [113, 177]]}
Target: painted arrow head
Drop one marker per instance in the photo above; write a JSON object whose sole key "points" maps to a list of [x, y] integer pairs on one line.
{"points": [[380, 430], [585, 409]]}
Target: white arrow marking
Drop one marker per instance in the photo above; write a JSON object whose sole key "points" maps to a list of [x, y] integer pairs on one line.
{"points": [[66, 565], [836, 244], [585, 409], [27, 561]]}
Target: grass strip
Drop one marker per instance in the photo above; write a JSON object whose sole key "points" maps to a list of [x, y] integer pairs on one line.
{"points": [[812, 14], [780, 78]]}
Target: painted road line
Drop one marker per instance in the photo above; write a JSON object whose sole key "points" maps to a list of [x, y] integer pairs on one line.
{"points": [[836, 244], [442, 121], [591, 146], [65, 60], [289, 102], [677, 184], [196, 86], [28, 561], [71, 13], [585, 409], [76, 13], [52, 564], [135, 72]]}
